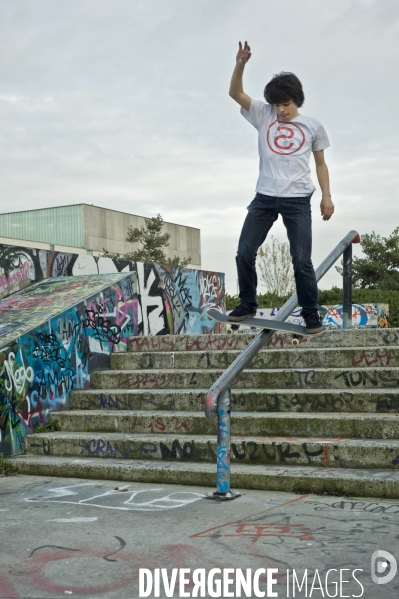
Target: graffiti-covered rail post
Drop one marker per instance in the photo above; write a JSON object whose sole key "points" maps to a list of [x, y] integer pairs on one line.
{"points": [[347, 288], [223, 491]]}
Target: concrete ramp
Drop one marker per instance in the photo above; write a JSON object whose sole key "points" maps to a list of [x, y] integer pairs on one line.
{"points": [[32, 307], [52, 337]]}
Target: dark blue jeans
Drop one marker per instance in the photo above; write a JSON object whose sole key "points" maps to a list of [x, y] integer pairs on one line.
{"points": [[262, 213]]}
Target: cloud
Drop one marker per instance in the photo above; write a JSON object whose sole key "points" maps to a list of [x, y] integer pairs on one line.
{"points": [[124, 104]]}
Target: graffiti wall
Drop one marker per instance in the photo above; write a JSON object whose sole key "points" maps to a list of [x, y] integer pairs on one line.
{"points": [[40, 368], [171, 300], [366, 315], [56, 332]]}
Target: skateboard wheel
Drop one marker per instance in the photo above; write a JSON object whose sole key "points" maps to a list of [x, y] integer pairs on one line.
{"points": [[295, 342]]}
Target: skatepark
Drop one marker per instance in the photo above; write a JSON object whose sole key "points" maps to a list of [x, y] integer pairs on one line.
{"points": [[115, 406], [88, 391], [199, 299]]}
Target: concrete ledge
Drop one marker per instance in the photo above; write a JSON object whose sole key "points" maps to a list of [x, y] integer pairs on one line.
{"points": [[258, 400], [272, 358], [294, 378], [359, 426], [352, 482], [333, 338]]}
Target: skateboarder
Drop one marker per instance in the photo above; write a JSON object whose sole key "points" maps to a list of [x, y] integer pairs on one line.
{"points": [[285, 140]]}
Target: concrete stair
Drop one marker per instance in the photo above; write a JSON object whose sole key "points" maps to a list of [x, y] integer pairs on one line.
{"points": [[320, 417]]}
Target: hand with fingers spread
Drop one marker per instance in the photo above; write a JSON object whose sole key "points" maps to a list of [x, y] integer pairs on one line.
{"points": [[243, 54]]}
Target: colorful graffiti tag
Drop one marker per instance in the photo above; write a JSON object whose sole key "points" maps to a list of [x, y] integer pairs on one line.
{"points": [[19, 268], [367, 315]]}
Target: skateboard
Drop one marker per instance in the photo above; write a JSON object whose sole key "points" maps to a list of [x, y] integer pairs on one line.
{"points": [[264, 323]]}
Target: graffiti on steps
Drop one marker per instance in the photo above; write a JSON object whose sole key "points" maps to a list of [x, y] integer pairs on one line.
{"points": [[365, 378], [114, 402], [325, 453], [374, 357]]}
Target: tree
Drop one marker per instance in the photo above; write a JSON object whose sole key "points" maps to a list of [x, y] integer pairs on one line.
{"points": [[380, 268], [153, 243], [275, 267]]}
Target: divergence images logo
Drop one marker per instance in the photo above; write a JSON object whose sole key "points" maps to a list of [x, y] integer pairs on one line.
{"points": [[285, 138], [381, 561]]}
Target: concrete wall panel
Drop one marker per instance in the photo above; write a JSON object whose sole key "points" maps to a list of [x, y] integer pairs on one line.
{"points": [[107, 229]]}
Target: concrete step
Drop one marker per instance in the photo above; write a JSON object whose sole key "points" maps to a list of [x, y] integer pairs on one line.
{"points": [[355, 426], [278, 400], [321, 417], [269, 358], [299, 451], [316, 378], [363, 482], [333, 338], [170, 343]]}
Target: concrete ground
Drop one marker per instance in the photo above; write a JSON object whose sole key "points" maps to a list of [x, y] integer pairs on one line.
{"points": [[63, 537]]}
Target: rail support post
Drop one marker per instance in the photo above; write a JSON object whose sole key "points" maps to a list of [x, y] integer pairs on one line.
{"points": [[347, 288], [223, 492]]}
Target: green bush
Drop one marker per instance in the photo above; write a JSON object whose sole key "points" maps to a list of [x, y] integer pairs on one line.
{"points": [[334, 296], [267, 300]]}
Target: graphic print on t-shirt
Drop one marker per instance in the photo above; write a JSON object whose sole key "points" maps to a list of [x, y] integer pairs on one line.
{"points": [[286, 138], [284, 150]]}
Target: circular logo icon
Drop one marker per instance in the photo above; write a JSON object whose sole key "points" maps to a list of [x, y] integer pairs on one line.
{"points": [[285, 138], [380, 560]]}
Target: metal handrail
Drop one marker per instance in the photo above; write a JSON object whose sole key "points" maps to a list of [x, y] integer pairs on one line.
{"points": [[231, 373]]}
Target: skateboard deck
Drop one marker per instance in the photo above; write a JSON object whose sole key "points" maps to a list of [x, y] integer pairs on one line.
{"points": [[262, 323]]}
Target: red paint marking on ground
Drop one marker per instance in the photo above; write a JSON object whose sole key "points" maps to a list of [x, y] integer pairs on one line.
{"points": [[6, 590], [236, 522], [257, 531], [39, 579]]}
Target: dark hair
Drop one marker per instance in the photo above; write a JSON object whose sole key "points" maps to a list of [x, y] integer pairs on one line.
{"points": [[283, 88]]}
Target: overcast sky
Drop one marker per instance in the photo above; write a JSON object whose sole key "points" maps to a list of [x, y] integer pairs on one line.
{"points": [[124, 104]]}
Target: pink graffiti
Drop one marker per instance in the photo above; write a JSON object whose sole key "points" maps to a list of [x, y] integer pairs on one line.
{"points": [[20, 273]]}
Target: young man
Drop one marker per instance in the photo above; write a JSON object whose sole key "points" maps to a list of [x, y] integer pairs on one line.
{"points": [[285, 141]]}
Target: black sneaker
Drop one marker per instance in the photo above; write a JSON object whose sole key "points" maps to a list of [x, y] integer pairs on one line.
{"points": [[240, 313], [313, 323]]}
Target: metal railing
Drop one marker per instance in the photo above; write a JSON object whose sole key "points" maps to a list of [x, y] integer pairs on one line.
{"points": [[218, 398]]}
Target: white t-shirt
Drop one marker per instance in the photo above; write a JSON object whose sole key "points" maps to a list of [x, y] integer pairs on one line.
{"points": [[284, 150]]}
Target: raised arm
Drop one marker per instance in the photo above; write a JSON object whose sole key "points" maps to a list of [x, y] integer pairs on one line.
{"points": [[236, 87]]}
